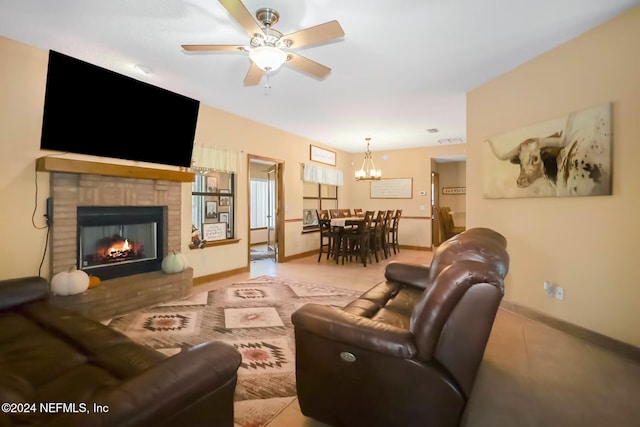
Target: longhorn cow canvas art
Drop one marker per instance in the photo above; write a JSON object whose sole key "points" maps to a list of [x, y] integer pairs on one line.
{"points": [[567, 156]]}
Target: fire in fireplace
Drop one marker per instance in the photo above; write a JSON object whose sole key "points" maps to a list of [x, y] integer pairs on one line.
{"points": [[115, 241], [116, 249]]}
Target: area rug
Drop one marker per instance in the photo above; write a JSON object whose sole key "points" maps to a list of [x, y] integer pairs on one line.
{"points": [[257, 255], [255, 317]]}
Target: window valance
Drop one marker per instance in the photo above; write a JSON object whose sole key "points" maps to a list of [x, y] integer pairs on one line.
{"points": [[214, 159], [322, 175]]}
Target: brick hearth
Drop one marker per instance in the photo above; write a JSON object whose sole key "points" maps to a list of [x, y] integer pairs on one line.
{"points": [[122, 295]]}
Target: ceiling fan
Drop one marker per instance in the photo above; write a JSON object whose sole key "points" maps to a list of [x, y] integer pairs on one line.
{"points": [[268, 48]]}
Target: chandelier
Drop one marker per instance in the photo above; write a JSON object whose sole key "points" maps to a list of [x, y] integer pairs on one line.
{"points": [[368, 171]]}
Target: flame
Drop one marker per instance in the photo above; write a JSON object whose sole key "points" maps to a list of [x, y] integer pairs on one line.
{"points": [[119, 248]]}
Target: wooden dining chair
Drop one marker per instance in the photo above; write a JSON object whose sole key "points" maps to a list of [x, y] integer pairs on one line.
{"points": [[356, 243], [328, 234], [386, 230], [377, 237], [445, 223], [393, 232]]}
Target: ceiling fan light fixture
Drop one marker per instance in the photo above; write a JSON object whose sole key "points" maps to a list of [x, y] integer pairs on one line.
{"points": [[268, 57]]}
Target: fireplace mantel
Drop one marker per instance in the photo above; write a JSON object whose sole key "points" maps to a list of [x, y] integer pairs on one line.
{"points": [[58, 164]]}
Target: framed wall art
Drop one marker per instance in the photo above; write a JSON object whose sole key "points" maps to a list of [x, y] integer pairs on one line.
{"points": [[214, 231], [211, 209], [212, 184], [454, 190], [392, 188], [322, 155], [566, 156]]}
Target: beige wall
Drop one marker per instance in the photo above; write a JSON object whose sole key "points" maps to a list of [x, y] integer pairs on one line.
{"points": [[415, 227], [22, 84], [584, 244], [23, 72]]}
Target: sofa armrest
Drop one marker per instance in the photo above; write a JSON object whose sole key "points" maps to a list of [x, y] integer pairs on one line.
{"points": [[416, 275], [337, 325], [171, 386], [14, 292]]}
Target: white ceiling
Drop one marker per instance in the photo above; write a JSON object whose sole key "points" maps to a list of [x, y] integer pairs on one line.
{"points": [[403, 66]]}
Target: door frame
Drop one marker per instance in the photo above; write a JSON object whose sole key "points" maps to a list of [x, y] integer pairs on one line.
{"points": [[279, 205], [272, 241], [436, 238]]}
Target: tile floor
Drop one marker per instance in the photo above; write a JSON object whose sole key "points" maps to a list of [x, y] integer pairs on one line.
{"points": [[531, 374]]}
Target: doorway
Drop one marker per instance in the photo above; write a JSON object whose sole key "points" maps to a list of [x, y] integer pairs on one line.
{"points": [[448, 189], [266, 205]]}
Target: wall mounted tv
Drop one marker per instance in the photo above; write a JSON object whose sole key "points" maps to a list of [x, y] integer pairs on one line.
{"points": [[95, 111]]}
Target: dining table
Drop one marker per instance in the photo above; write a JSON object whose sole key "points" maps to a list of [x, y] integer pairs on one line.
{"points": [[342, 224]]}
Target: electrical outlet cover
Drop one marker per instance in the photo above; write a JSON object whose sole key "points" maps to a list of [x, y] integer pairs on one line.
{"points": [[559, 293]]}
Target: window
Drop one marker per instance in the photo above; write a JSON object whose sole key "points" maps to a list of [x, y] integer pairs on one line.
{"points": [[213, 203], [261, 217], [317, 196]]}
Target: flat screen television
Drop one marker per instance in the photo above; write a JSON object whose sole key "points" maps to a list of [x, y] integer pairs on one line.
{"points": [[95, 111]]}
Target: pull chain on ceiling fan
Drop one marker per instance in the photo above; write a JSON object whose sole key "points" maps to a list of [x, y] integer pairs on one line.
{"points": [[266, 45]]}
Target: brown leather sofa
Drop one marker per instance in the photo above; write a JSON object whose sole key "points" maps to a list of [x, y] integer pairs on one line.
{"points": [[69, 364], [406, 352]]}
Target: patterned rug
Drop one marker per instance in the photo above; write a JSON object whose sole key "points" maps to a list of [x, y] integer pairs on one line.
{"points": [[257, 255], [255, 317]]}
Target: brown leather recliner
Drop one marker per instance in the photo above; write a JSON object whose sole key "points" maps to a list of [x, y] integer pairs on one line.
{"points": [[49, 355], [406, 352]]}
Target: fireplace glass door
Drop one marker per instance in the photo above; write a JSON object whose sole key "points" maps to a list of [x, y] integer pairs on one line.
{"points": [[109, 244], [119, 241]]}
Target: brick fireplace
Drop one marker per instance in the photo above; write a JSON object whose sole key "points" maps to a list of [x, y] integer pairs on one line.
{"points": [[72, 188]]}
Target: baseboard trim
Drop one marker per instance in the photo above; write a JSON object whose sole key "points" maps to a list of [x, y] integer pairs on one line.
{"points": [[619, 347], [197, 281], [416, 248], [298, 256]]}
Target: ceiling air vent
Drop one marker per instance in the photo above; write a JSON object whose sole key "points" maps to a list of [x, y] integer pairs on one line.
{"points": [[433, 130]]}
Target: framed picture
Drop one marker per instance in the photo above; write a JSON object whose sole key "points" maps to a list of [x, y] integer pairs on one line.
{"points": [[454, 190], [224, 217], [224, 200], [211, 209], [392, 188], [212, 184], [322, 155], [214, 231], [310, 218], [565, 156]]}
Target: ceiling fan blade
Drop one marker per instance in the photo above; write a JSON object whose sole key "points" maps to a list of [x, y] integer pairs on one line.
{"points": [[212, 47], [313, 35], [240, 13], [254, 75], [307, 66]]}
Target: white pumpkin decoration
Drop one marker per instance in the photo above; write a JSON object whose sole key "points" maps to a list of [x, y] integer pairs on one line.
{"points": [[70, 282], [175, 262]]}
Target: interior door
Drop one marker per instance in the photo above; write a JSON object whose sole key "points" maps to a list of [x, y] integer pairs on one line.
{"points": [[435, 202], [272, 211]]}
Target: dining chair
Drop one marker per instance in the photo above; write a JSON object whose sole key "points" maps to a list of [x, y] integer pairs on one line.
{"points": [[328, 236], [377, 239], [386, 243], [356, 243], [393, 232], [446, 225]]}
